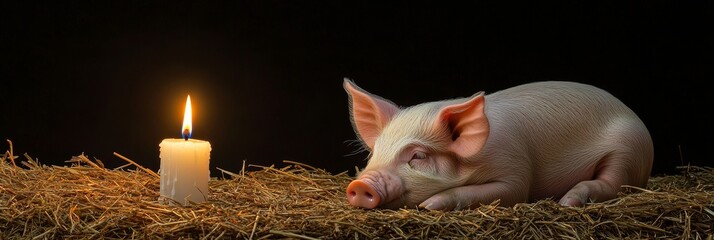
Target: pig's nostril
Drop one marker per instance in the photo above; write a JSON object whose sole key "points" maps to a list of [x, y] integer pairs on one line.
{"points": [[361, 194]]}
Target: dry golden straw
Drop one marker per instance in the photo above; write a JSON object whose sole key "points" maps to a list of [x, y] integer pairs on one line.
{"points": [[86, 200]]}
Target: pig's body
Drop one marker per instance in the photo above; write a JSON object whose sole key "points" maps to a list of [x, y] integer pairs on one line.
{"points": [[560, 140], [560, 134]]}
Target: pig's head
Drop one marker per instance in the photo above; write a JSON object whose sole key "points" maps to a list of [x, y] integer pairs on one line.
{"points": [[417, 151]]}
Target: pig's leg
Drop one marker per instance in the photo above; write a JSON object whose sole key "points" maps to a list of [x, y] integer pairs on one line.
{"points": [[609, 177], [470, 195], [629, 163]]}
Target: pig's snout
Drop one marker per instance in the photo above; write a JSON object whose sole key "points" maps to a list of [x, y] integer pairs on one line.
{"points": [[374, 189], [362, 194]]}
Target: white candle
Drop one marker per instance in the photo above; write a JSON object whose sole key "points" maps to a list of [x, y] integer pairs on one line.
{"points": [[184, 165]]}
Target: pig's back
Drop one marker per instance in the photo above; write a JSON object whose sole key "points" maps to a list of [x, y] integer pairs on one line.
{"points": [[553, 110], [560, 130]]}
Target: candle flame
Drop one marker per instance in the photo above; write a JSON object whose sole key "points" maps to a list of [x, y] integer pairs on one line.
{"points": [[187, 128]]}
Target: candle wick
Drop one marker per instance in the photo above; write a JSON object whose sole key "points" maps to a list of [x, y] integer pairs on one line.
{"points": [[186, 132]]}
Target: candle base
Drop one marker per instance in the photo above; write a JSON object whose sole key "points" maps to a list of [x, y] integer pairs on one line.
{"points": [[184, 171], [168, 201]]}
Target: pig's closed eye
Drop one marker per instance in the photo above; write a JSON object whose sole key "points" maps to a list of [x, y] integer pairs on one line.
{"points": [[417, 158], [419, 155]]}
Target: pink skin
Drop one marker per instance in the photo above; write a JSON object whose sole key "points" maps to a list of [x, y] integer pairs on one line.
{"points": [[374, 188], [385, 188], [560, 140]]}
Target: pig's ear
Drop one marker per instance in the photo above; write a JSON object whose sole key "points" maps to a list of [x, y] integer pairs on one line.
{"points": [[467, 124], [369, 113]]}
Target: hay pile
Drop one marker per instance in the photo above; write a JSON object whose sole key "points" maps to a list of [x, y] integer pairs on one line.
{"points": [[86, 200]]}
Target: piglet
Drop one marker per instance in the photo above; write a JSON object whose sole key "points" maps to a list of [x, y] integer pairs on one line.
{"points": [[566, 141]]}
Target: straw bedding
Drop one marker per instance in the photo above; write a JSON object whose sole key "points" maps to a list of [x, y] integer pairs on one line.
{"points": [[86, 200]]}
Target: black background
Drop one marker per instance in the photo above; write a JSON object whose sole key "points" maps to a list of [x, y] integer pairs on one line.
{"points": [[265, 77]]}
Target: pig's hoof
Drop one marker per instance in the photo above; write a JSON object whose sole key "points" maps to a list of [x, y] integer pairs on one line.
{"points": [[437, 202], [571, 202]]}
